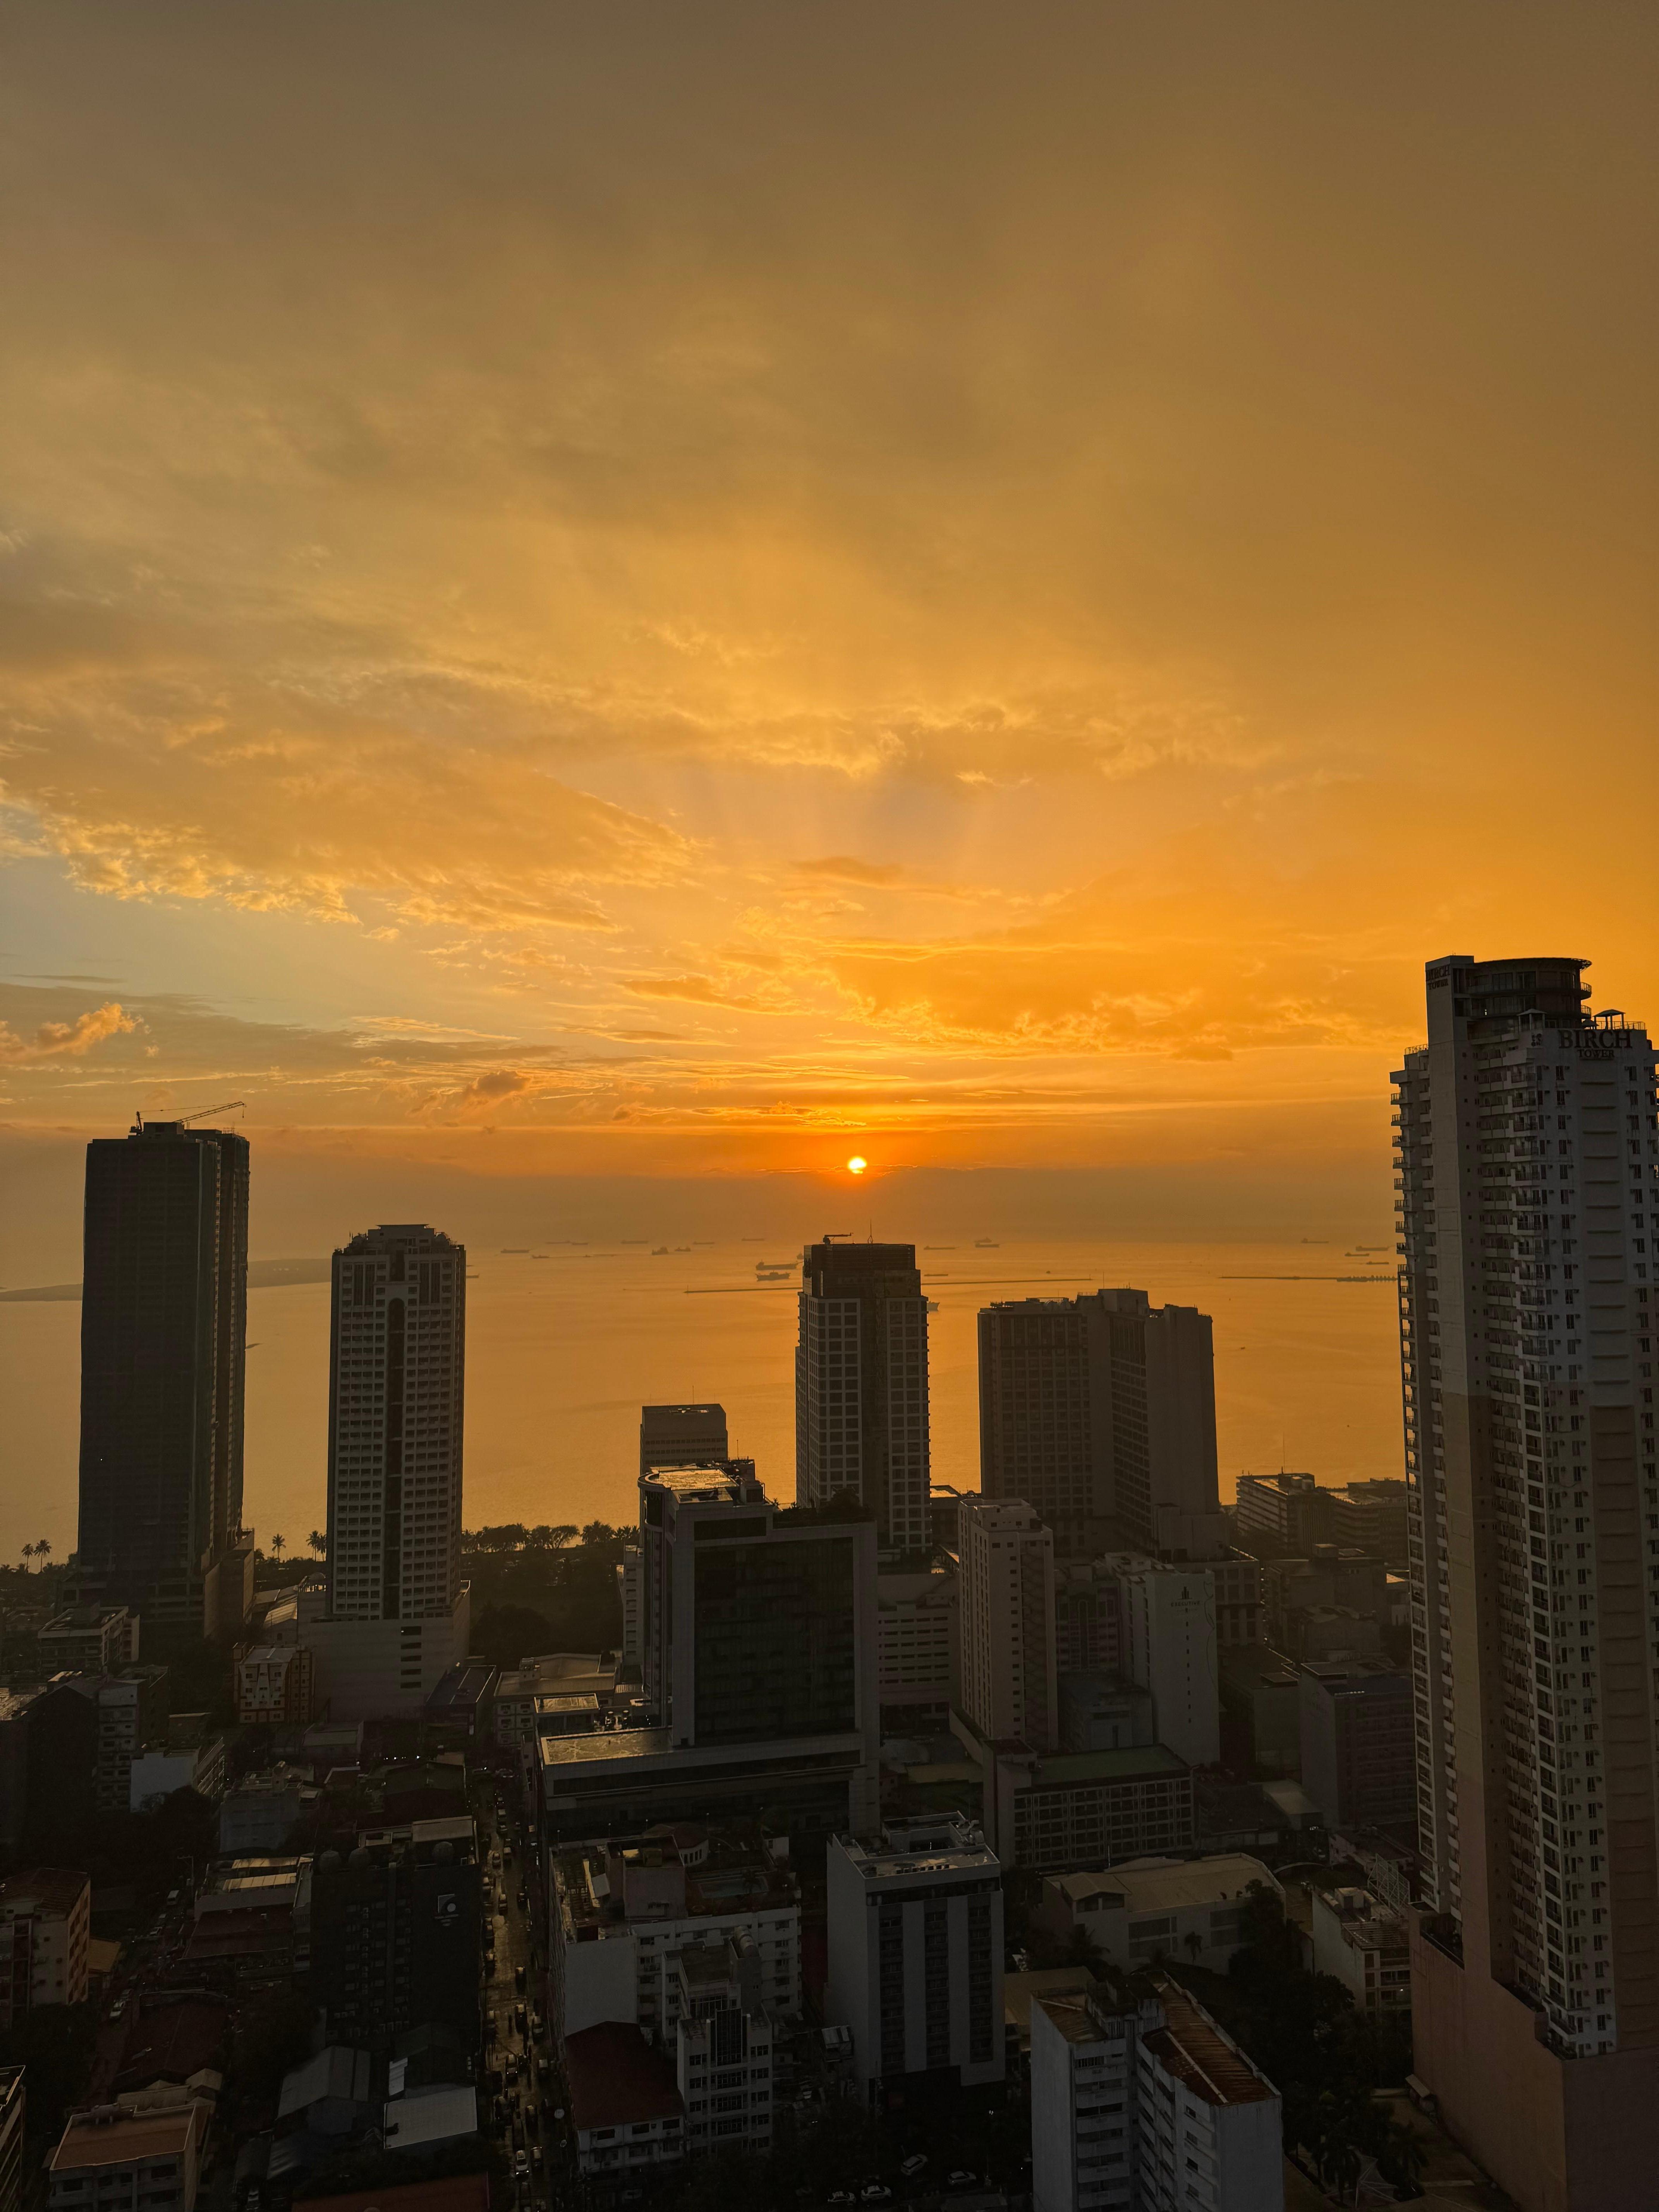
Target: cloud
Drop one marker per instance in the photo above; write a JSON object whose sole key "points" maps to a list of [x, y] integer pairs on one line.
{"points": [[701, 990], [842, 869], [65, 1040]]}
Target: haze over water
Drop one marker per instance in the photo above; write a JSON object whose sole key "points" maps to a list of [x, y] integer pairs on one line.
{"points": [[563, 1351]]}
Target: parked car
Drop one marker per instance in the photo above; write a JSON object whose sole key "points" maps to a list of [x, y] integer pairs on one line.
{"points": [[538, 2025], [914, 2163], [873, 2193], [536, 2158], [521, 2162], [518, 1978]]}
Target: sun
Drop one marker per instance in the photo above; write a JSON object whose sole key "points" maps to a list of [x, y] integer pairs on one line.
{"points": [[856, 1165]]}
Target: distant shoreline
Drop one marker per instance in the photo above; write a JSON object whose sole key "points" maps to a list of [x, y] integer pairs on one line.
{"points": [[262, 1275]]}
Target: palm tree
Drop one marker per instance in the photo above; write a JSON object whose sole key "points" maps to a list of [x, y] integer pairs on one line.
{"points": [[1194, 1945], [277, 1544], [28, 1553], [42, 1548], [319, 1543]]}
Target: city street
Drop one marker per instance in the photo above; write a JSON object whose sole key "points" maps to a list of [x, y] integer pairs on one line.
{"points": [[519, 2092]]}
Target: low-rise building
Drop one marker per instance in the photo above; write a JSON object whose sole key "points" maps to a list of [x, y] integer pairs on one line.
{"points": [[395, 1932], [14, 2103], [117, 2159], [192, 1758], [1371, 1517], [1366, 1945], [1279, 1513], [87, 1639], [915, 1953], [614, 1781], [1089, 1808], [1100, 1711], [520, 1690], [1261, 1687], [261, 1812], [725, 2047], [45, 1920], [1141, 2102], [1146, 1910], [132, 1711], [274, 1685], [625, 1909], [626, 2110]]}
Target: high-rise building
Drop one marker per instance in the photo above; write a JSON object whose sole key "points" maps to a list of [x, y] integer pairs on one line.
{"points": [[1355, 1724], [861, 1386], [163, 1336], [1101, 1410], [395, 1425], [1139, 2099], [759, 1625], [1007, 1623], [395, 1616], [1170, 1649], [915, 1953], [681, 1435], [1526, 1159]]}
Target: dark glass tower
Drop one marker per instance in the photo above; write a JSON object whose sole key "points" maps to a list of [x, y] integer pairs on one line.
{"points": [[163, 1331], [861, 1386]]}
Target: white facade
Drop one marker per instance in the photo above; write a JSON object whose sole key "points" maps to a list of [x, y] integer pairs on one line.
{"points": [[154, 1775], [1189, 1911], [385, 1669], [46, 1918], [1170, 1648], [915, 1951], [861, 1419], [1364, 1943], [1008, 1622], [395, 1425], [1530, 1226], [724, 2042], [274, 1683], [1144, 2105]]}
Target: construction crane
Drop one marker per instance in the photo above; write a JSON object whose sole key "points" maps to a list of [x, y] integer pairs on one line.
{"points": [[200, 1114]]}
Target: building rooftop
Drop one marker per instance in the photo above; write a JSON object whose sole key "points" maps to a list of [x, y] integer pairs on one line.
{"points": [[1149, 1763], [617, 2079], [671, 1872], [44, 1889], [334, 2071], [1167, 1885], [1204, 2060], [919, 1846], [1070, 2013], [111, 2136], [720, 1482], [435, 2115], [1021, 1991]]}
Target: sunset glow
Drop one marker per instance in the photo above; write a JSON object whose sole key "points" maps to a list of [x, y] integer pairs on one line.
{"points": [[856, 1166]]}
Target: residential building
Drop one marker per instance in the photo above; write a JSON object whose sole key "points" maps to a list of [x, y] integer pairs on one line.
{"points": [[1365, 1944], [760, 1620], [119, 2158], [1237, 1579], [1170, 1649], [1276, 1514], [1099, 1412], [1329, 1580], [623, 1910], [1526, 1164], [1007, 1623], [396, 1615], [1140, 2102], [1370, 1517], [163, 1328], [1358, 1762], [682, 1436], [13, 2104], [1143, 1911], [943, 1502], [396, 1929], [45, 1917], [725, 2045], [915, 1954], [1088, 1618], [132, 1711], [861, 1386], [1078, 1809], [273, 1685], [626, 2110], [916, 1645], [89, 1639]]}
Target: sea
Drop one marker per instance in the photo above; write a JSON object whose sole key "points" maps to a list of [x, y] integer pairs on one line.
{"points": [[566, 1341]]}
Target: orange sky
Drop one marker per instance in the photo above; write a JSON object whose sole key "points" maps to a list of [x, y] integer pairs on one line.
{"points": [[707, 587]]}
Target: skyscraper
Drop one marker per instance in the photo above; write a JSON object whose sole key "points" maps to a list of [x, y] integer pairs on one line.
{"points": [[861, 1386], [1525, 1165], [395, 1425], [1102, 1409], [163, 1333], [681, 1435]]}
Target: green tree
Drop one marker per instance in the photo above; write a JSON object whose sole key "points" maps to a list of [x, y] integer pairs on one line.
{"points": [[505, 1634]]}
